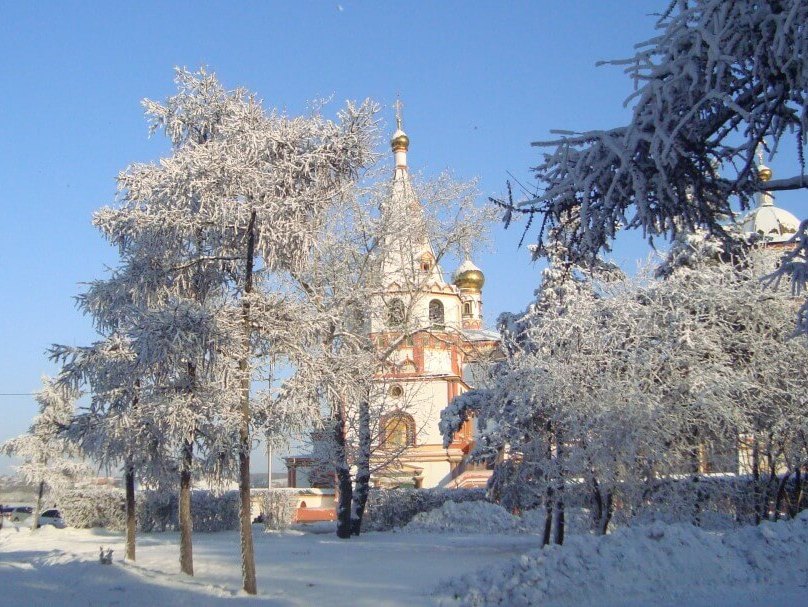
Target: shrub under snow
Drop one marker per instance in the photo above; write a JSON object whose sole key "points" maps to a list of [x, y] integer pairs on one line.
{"points": [[159, 511], [156, 511], [278, 509], [466, 517], [390, 508], [643, 565], [93, 507], [488, 518]]}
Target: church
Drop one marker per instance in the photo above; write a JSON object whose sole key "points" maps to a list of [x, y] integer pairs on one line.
{"points": [[434, 331]]}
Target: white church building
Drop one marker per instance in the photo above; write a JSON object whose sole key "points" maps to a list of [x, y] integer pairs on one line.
{"points": [[434, 327]]}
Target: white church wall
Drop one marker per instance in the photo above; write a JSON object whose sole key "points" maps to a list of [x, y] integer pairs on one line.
{"points": [[428, 400], [435, 473], [437, 361], [423, 400]]}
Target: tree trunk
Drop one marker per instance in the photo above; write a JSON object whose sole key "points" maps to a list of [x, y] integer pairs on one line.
{"points": [[245, 510], [129, 480], [344, 486], [603, 507], [360, 494], [186, 523], [770, 492], [756, 480], [607, 518], [796, 499], [558, 515], [781, 492], [37, 507], [548, 518], [597, 504]]}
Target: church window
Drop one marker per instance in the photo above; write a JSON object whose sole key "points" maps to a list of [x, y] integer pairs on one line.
{"points": [[409, 367], [426, 262], [436, 316], [467, 308], [396, 391], [399, 431], [395, 313]]}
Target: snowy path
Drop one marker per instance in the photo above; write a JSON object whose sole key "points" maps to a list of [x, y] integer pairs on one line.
{"points": [[60, 567]]}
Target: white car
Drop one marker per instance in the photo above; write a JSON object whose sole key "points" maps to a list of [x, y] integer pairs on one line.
{"points": [[51, 516], [21, 513]]}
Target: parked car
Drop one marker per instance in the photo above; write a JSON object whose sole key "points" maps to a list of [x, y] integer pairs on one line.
{"points": [[51, 517], [5, 511], [20, 513]]}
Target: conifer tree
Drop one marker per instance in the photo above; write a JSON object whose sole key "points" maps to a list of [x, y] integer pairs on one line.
{"points": [[49, 461]]}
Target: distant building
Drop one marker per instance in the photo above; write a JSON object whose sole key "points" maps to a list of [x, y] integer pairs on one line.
{"points": [[775, 226]]}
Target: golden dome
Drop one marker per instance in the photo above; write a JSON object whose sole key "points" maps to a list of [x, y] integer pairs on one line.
{"points": [[400, 141], [472, 280], [469, 277], [764, 172]]}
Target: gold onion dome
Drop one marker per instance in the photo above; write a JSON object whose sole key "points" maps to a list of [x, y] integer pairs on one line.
{"points": [[400, 141], [764, 172], [468, 276]]}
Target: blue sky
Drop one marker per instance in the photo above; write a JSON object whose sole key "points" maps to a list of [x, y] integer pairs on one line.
{"points": [[479, 80]]}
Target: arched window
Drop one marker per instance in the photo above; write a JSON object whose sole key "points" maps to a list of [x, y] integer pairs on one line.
{"points": [[436, 316], [467, 308], [409, 367], [395, 313], [426, 262], [399, 431]]}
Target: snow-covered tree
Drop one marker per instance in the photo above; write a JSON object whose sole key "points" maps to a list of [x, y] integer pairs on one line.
{"points": [[48, 459], [719, 79], [106, 431], [244, 190], [633, 383]]}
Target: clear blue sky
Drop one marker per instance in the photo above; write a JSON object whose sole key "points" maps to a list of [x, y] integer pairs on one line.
{"points": [[479, 80]]}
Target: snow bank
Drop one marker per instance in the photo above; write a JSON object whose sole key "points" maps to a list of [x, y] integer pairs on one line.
{"points": [[465, 517], [657, 564]]}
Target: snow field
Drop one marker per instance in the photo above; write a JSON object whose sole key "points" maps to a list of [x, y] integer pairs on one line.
{"points": [[295, 569], [467, 554]]}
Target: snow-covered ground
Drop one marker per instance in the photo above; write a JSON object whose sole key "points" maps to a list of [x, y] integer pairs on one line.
{"points": [[60, 567], [666, 565]]}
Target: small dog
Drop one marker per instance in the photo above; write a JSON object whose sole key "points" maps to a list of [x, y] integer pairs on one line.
{"points": [[105, 556]]}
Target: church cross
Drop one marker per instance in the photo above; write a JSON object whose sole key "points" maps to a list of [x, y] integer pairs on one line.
{"points": [[398, 105]]}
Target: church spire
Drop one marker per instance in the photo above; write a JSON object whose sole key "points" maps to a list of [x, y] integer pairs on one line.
{"points": [[764, 175], [400, 142]]}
